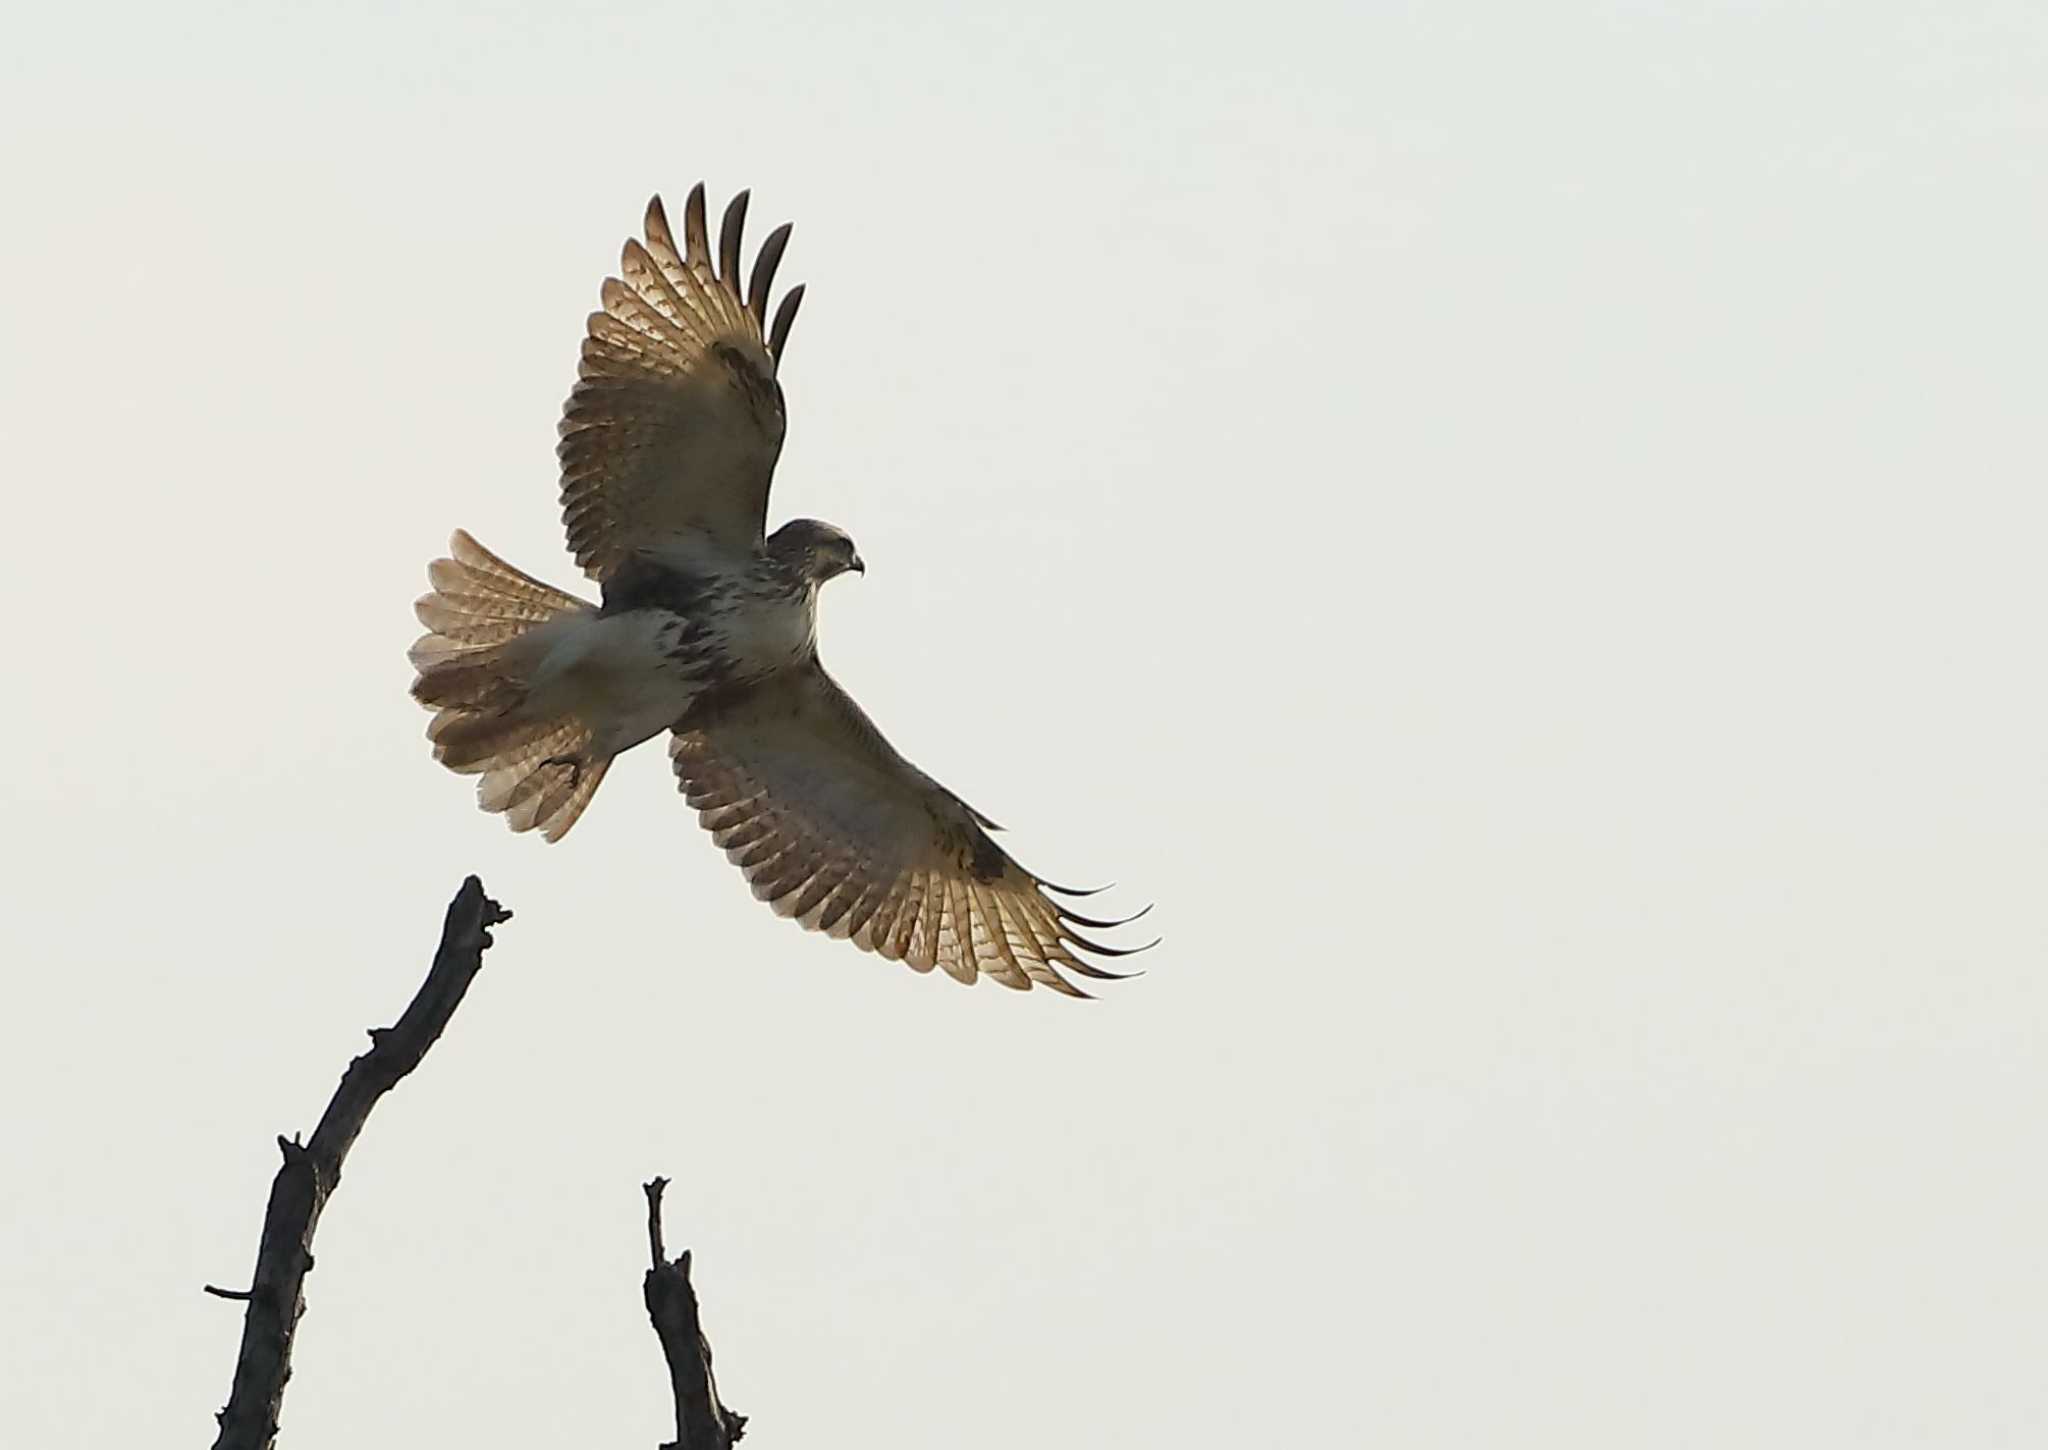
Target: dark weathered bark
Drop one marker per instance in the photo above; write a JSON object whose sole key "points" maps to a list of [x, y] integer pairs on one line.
{"points": [[276, 1296], [702, 1423]]}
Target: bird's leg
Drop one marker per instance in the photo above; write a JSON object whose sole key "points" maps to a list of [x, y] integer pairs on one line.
{"points": [[575, 764]]}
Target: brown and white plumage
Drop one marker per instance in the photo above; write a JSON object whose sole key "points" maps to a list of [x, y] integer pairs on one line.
{"points": [[480, 611], [834, 828], [707, 629], [676, 419]]}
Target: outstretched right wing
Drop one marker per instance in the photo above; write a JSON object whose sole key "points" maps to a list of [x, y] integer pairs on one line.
{"points": [[676, 420], [833, 827]]}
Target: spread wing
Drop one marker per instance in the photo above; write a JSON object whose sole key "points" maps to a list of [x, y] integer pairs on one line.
{"points": [[676, 419], [834, 828]]}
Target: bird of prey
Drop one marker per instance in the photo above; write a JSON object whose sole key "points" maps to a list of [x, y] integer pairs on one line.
{"points": [[707, 628]]}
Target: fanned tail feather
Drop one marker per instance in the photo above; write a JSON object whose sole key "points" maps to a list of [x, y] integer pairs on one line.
{"points": [[538, 772]]}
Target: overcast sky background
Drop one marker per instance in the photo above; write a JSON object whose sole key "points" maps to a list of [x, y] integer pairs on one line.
{"points": [[1519, 527]]}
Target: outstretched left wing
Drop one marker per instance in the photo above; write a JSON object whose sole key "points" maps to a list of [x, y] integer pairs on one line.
{"points": [[676, 419], [834, 828]]}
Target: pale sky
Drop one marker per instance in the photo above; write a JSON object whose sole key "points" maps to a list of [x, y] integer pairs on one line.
{"points": [[1519, 527]]}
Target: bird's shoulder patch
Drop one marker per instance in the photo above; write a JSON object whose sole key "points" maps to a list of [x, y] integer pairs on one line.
{"points": [[755, 378], [641, 583], [984, 857]]}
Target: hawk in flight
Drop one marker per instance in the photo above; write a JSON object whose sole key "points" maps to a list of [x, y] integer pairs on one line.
{"points": [[707, 628]]}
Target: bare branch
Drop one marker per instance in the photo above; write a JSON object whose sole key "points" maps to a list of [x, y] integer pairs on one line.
{"points": [[276, 1295], [702, 1422]]}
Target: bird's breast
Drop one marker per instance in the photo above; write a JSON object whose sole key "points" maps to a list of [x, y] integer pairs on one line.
{"points": [[763, 630]]}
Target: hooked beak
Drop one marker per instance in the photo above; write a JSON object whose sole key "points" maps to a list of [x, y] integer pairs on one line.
{"points": [[856, 565]]}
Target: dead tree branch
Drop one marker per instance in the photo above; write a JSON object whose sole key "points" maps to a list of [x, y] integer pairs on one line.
{"points": [[276, 1295], [702, 1422]]}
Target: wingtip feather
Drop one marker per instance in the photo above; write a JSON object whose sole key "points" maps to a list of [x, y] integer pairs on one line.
{"points": [[1102, 923], [785, 318], [696, 237], [731, 238], [765, 264]]}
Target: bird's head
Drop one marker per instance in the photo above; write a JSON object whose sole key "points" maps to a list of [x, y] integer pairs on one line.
{"points": [[816, 551]]}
